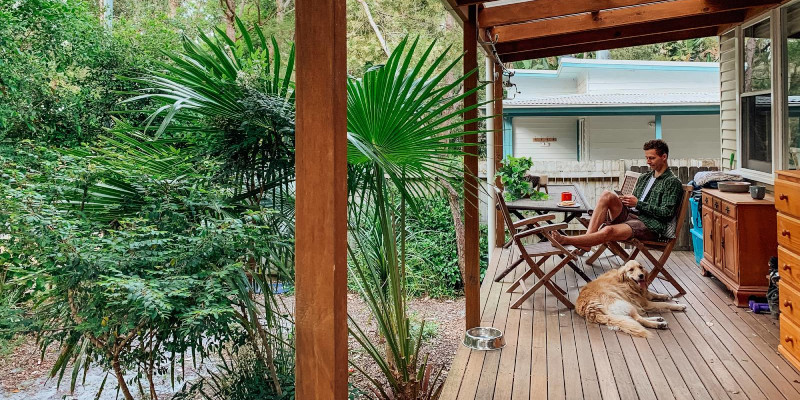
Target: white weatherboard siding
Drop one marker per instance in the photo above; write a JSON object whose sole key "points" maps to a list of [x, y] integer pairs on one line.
{"points": [[618, 137], [729, 110], [691, 136], [564, 129], [635, 81]]}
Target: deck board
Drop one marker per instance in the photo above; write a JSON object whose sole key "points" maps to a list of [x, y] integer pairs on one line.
{"points": [[713, 350]]}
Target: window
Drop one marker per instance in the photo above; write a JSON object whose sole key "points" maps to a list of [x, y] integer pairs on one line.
{"points": [[791, 38], [756, 99]]}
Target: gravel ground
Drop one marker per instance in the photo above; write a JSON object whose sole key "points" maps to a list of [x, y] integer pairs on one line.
{"points": [[24, 377]]}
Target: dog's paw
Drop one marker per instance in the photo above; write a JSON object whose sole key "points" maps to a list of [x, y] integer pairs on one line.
{"points": [[680, 307], [613, 328], [662, 325], [668, 297], [659, 319]]}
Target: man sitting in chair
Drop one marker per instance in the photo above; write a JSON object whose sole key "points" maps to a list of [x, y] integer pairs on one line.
{"points": [[644, 215]]}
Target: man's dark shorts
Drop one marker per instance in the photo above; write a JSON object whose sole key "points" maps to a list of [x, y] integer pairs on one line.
{"points": [[640, 230]]}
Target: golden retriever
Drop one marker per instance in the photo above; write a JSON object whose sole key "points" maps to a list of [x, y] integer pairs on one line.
{"points": [[619, 297]]}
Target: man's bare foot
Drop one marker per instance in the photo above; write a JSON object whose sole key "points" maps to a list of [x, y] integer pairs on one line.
{"points": [[567, 240]]}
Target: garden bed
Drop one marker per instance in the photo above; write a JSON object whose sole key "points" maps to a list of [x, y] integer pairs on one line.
{"points": [[22, 375]]}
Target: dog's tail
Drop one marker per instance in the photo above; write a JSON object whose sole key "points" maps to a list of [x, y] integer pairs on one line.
{"points": [[625, 324]]}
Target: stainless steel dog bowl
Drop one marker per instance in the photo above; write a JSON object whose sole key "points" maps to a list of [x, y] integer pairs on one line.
{"points": [[484, 338]]}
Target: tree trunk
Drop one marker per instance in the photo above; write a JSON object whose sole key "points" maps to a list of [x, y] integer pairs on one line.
{"points": [[749, 54], [173, 8], [121, 378], [458, 223], [374, 26], [229, 8]]}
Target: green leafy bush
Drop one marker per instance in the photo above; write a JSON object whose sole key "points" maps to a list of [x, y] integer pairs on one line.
{"points": [[141, 258], [432, 259], [512, 175], [58, 71]]}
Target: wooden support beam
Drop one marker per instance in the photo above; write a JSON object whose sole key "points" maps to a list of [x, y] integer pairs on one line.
{"points": [[751, 13], [610, 44], [540, 9], [650, 13], [628, 31], [459, 12], [500, 236], [471, 218], [321, 199]]}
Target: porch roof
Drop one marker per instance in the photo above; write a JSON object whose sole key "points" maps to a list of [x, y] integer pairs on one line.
{"points": [[516, 30]]}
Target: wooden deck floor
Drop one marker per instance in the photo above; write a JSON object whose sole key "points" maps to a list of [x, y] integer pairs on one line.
{"points": [[713, 350]]}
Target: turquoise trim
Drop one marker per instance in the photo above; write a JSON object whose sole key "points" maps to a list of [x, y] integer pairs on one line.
{"points": [[578, 138], [508, 137], [658, 126], [614, 110], [708, 68]]}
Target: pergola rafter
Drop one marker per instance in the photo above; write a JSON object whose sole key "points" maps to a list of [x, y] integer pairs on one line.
{"points": [[542, 28]]}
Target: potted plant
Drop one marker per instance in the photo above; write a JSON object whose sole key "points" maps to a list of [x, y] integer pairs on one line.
{"points": [[512, 175]]}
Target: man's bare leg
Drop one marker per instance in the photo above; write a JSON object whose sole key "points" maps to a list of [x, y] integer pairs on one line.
{"points": [[608, 203], [607, 234]]}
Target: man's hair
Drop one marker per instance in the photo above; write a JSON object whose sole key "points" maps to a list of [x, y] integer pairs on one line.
{"points": [[658, 145]]}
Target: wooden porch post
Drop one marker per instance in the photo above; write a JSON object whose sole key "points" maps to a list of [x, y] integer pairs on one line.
{"points": [[471, 223], [500, 237], [321, 205]]}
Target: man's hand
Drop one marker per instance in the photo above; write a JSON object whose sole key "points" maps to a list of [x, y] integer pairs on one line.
{"points": [[629, 201]]}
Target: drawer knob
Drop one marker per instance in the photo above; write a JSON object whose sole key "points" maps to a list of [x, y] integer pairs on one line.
{"points": [[783, 197], [785, 232], [788, 339], [787, 304], [786, 267], [727, 209]]}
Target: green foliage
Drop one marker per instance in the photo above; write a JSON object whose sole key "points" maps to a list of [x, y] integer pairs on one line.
{"points": [[404, 130], [234, 105], [148, 265], [242, 375], [512, 174], [432, 257], [58, 69]]}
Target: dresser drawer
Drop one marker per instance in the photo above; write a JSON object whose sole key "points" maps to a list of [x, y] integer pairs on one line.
{"points": [[790, 336], [707, 201], [728, 209], [789, 302], [789, 233], [789, 267], [787, 197]]}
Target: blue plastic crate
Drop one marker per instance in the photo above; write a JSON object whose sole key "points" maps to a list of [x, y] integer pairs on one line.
{"points": [[697, 244], [697, 220]]}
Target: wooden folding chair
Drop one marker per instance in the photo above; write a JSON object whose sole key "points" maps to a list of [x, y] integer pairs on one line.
{"points": [[665, 247], [628, 184], [545, 249]]}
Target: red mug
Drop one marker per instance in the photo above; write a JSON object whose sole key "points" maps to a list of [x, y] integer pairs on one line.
{"points": [[566, 196]]}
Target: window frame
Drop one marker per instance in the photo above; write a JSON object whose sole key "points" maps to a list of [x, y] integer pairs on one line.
{"points": [[757, 175]]}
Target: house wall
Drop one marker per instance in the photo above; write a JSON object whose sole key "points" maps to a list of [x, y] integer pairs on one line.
{"points": [[615, 137], [729, 108], [547, 86], [563, 129], [691, 136], [636, 80]]}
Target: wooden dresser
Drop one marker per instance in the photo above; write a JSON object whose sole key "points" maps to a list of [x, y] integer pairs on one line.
{"points": [[736, 248], [787, 202]]}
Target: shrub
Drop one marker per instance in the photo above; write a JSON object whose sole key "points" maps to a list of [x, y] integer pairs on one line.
{"points": [[432, 252], [512, 175]]}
